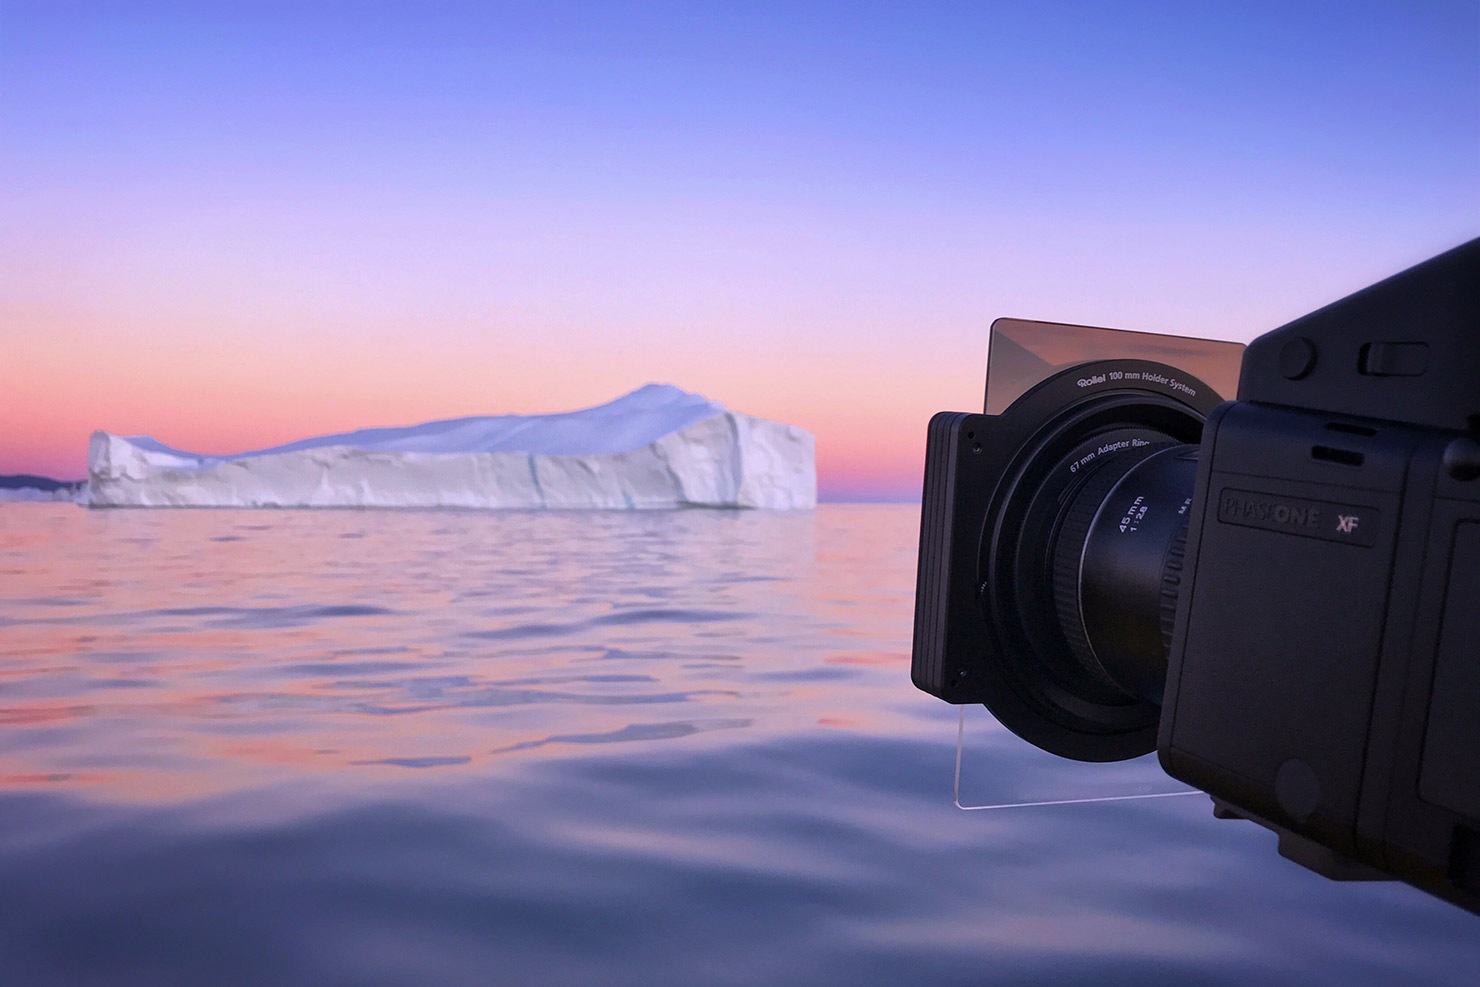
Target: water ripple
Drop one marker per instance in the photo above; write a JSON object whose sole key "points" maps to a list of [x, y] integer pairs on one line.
{"points": [[579, 748], [630, 732]]}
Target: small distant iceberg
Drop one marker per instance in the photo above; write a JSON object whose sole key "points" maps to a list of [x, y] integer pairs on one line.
{"points": [[657, 447], [27, 488]]}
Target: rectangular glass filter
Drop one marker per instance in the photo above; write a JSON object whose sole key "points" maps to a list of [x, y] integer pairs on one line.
{"points": [[1021, 353]]}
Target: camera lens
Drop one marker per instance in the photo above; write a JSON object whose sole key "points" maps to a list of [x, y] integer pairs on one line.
{"points": [[1117, 564], [1080, 556]]}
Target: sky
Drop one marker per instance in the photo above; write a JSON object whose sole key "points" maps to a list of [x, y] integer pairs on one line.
{"points": [[231, 225]]}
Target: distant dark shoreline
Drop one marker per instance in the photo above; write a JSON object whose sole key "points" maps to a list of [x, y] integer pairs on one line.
{"points": [[25, 481]]}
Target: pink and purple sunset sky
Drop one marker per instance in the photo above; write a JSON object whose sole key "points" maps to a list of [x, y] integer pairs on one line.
{"points": [[231, 225]]}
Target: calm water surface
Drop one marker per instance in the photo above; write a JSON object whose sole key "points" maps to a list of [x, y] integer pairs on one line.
{"points": [[343, 747]]}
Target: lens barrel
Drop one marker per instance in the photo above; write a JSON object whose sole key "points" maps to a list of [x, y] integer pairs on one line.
{"points": [[1117, 565]]}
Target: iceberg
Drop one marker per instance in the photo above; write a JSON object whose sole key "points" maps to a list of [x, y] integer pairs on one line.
{"points": [[657, 447]]}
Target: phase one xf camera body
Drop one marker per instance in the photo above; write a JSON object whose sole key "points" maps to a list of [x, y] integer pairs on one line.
{"points": [[1280, 594]]}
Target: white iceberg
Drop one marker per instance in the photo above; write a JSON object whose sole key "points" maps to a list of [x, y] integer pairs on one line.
{"points": [[656, 447]]}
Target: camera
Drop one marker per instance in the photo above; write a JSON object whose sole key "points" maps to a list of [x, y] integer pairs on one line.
{"points": [[1270, 575]]}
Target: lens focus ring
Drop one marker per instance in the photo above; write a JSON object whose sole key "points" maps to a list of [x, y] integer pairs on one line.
{"points": [[1073, 532], [1171, 584]]}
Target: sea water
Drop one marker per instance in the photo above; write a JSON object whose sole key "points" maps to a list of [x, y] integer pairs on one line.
{"points": [[668, 747]]}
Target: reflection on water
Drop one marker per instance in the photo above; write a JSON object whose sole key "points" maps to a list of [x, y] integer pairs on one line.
{"points": [[658, 747]]}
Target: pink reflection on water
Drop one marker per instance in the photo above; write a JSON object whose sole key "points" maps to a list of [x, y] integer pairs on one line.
{"points": [[167, 654]]}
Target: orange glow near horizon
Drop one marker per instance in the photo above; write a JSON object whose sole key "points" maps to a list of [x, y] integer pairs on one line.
{"points": [[64, 379], [229, 229]]}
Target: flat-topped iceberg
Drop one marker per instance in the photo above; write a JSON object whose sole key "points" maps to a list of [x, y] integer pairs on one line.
{"points": [[656, 447]]}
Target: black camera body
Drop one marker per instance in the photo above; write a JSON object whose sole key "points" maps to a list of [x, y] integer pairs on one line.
{"points": [[1279, 594]]}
